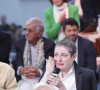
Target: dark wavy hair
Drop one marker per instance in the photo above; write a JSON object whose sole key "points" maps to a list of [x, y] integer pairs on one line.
{"points": [[63, 1]]}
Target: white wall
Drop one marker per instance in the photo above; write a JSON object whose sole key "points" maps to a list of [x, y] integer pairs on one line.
{"points": [[10, 8], [33, 8], [19, 11]]}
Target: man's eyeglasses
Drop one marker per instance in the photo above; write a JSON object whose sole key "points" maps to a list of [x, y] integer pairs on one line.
{"points": [[29, 30]]}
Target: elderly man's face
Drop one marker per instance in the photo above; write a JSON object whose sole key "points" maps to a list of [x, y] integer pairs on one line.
{"points": [[71, 32], [31, 33], [63, 58]]}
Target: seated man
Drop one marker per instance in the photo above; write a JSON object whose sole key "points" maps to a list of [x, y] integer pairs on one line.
{"points": [[71, 76], [32, 51], [7, 78], [86, 53]]}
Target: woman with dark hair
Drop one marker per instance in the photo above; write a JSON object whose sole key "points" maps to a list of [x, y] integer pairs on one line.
{"points": [[54, 17]]}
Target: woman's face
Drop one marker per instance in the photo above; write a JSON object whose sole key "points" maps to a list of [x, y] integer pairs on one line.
{"points": [[63, 58], [57, 2]]}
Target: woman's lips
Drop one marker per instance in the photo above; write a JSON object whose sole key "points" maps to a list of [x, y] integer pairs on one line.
{"points": [[60, 64]]}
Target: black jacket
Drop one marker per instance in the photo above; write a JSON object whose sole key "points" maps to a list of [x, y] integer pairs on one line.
{"points": [[85, 78], [5, 46], [20, 45], [86, 54]]}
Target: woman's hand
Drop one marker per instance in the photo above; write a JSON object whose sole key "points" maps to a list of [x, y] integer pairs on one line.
{"points": [[54, 79], [62, 18], [50, 65]]}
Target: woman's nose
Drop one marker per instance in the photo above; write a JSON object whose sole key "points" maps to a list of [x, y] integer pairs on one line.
{"points": [[59, 58]]}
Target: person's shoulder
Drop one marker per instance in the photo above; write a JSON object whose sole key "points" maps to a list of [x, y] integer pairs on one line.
{"points": [[87, 72], [48, 10], [6, 72], [48, 40], [2, 64], [4, 34], [20, 41], [73, 6], [84, 40], [5, 67]]}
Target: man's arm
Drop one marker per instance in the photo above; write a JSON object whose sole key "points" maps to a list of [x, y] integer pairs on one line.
{"points": [[18, 61], [91, 57], [10, 81], [94, 82]]}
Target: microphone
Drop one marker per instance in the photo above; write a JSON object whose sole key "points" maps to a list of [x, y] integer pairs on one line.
{"points": [[56, 71]]}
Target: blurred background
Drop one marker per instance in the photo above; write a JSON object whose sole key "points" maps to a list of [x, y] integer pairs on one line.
{"points": [[19, 11]]}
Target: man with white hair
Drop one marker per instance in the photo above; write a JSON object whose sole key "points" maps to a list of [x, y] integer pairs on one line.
{"points": [[32, 50]]}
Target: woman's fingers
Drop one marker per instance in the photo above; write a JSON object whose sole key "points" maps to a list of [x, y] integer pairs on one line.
{"points": [[54, 80]]}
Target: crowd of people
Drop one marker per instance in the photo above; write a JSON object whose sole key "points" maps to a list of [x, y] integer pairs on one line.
{"points": [[14, 30], [77, 58]]}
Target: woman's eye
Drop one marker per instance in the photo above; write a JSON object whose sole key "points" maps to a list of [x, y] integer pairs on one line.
{"points": [[64, 55], [55, 54]]}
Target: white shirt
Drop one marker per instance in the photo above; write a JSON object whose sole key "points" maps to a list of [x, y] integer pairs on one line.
{"points": [[69, 80], [76, 59], [33, 49], [57, 12]]}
